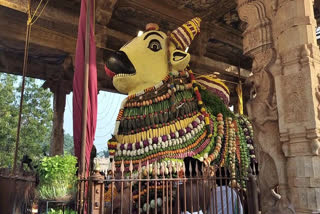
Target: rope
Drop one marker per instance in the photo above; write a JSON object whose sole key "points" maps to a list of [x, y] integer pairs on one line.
{"points": [[24, 71], [40, 11], [36, 9], [30, 21]]}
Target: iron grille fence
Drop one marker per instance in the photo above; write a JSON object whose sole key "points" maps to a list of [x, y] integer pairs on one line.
{"points": [[180, 189]]}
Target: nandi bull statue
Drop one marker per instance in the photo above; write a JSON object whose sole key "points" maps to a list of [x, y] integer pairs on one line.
{"points": [[168, 115]]}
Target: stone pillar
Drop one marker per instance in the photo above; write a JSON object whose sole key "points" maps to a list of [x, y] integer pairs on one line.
{"points": [[59, 103], [284, 104], [297, 84], [59, 89], [262, 106]]}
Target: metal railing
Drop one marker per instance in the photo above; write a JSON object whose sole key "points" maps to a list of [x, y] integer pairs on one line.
{"points": [[180, 189]]}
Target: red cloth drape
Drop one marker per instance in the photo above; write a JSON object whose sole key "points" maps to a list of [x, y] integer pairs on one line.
{"points": [[78, 89]]}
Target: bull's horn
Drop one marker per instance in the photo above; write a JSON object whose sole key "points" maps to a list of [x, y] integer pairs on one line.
{"points": [[183, 36]]}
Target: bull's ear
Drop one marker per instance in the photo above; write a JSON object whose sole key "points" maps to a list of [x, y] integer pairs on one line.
{"points": [[179, 60]]}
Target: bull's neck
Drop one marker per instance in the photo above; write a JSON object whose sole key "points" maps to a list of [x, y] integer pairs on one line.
{"points": [[159, 106]]}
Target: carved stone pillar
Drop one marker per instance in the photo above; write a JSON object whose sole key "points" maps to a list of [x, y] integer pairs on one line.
{"points": [[297, 84], [284, 104], [262, 106]]}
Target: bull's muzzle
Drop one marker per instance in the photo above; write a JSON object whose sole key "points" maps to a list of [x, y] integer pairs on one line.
{"points": [[119, 63]]}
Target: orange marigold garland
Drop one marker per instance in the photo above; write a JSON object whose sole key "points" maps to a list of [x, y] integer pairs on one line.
{"points": [[108, 195]]}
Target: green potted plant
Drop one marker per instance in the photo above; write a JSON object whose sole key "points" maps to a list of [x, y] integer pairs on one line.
{"points": [[57, 177]]}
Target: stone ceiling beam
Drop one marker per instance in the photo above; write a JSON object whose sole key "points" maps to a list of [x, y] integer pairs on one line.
{"points": [[13, 64], [171, 13], [179, 16], [15, 30], [209, 65], [227, 36], [102, 33], [69, 17], [50, 13], [40, 36], [152, 6]]}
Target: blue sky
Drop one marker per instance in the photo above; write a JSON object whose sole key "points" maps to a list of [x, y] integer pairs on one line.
{"points": [[108, 108]]}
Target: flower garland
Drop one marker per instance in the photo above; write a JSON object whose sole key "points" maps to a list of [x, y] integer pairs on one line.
{"points": [[150, 131], [244, 154], [166, 129], [108, 195], [144, 191], [248, 135], [147, 90], [232, 148], [219, 137], [169, 122], [200, 102], [163, 168], [224, 148], [184, 133], [166, 153], [211, 141]]}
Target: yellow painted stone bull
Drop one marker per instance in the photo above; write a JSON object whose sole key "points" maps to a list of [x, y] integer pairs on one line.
{"points": [[167, 116]]}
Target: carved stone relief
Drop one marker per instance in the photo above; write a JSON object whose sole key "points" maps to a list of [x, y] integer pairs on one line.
{"points": [[318, 95], [252, 39], [258, 32], [274, 6], [295, 99], [274, 200], [269, 181], [262, 106], [295, 66]]}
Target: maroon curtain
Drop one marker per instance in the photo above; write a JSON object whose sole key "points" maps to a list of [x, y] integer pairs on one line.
{"points": [[78, 89]]}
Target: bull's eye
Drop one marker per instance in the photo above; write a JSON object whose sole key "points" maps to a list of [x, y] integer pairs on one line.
{"points": [[154, 45]]}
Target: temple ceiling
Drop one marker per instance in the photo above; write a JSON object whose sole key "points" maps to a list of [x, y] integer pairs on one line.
{"points": [[219, 45]]}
